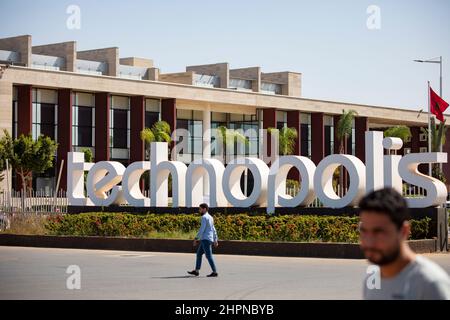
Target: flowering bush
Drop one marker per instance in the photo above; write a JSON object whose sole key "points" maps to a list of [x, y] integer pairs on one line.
{"points": [[229, 227]]}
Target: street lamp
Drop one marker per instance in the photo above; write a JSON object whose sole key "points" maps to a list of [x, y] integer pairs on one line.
{"points": [[435, 60]]}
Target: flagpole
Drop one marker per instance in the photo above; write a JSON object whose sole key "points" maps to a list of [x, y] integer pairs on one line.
{"points": [[429, 128]]}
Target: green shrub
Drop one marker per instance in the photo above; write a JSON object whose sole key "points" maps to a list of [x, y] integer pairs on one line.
{"points": [[229, 227]]}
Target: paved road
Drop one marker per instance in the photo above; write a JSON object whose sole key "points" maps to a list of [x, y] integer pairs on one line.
{"points": [[40, 273]]}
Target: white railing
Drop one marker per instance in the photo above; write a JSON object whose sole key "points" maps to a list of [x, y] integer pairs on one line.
{"points": [[33, 202], [409, 191]]}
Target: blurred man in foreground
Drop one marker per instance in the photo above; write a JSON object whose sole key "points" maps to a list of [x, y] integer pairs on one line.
{"points": [[384, 230]]}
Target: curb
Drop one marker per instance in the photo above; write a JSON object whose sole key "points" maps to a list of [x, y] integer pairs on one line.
{"points": [[254, 248]]}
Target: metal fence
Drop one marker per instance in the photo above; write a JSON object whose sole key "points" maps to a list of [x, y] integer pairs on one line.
{"points": [[33, 202], [49, 202], [409, 191]]}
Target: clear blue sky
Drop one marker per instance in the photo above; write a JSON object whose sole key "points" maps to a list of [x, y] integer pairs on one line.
{"points": [[327, 41]]}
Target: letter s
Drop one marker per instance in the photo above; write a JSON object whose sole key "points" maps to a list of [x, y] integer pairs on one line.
{"points": [[436, 189]]}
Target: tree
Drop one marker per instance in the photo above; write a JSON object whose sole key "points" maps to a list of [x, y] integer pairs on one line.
{"points": [[437, 140], [402, 132], [159, 132], [343, 131], [88, 157], [28, 156], [228, 136], [286, 139], [3, 158]]}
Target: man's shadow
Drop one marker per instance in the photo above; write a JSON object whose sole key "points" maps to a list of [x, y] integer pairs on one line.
{"points": [[175, 277]]}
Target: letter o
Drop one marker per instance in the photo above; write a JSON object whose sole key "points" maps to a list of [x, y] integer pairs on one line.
{"points": [[323, 180], [232, 179]]}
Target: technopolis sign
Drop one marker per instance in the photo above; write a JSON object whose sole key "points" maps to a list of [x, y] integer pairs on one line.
{"points": [[109, 182]]}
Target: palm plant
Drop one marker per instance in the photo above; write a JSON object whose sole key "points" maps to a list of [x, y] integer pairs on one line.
{"points": [[230, 137], [402, 132], [287, 138], [343, 131], [159, 132]]}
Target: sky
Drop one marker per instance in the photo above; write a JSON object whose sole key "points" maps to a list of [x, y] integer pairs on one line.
{"points": [[328, 41]]}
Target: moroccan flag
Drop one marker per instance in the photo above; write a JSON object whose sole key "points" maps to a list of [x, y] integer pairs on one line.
{"points": [[437, 105]]}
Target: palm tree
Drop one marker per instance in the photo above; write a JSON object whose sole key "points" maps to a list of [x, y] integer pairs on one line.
{"points": [[343, 131], [402, 132], [437, 140], [287, 138], [159, 132], [228, 136]]}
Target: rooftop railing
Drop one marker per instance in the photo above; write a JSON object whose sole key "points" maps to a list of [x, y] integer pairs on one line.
{"points": [[270, 88], [91, 67], [47, 62], [206, 80], [240, 84], [10, 56], [132, 72]]}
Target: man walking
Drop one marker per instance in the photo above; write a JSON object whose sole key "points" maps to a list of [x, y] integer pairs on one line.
{"points": [[384, 230], [206, 238]]}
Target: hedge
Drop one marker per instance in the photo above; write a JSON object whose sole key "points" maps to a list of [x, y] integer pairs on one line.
{"points": [[299, 228]]}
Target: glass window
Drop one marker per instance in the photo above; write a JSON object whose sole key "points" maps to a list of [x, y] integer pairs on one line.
{"points": [[305, 134], [329, 135], [248, 126], [152, 113], [191, 121], [44, 113], [44, 122], [83, 121], [281, 119], [120, 128]]}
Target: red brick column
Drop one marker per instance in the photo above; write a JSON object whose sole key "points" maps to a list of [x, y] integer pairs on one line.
{"points": [[415, 139], [169, 112], [24, 110], [361, 126], [64, 132], [24, 118], [102, 118], [317, 137], [293, 121], [137, 123], [269, 121]]}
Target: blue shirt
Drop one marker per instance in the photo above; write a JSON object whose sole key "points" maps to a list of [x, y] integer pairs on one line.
{"points": [[207, 230]]}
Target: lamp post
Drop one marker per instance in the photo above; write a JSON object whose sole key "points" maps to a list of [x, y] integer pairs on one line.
{"points": [[439, 61]]}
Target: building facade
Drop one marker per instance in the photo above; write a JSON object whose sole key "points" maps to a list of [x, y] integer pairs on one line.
{"points": [[95, 99]]}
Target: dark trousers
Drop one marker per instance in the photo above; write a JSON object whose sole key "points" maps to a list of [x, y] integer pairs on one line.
{"points": [[205, 247]]}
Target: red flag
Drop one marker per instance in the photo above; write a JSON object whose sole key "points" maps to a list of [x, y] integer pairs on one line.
{"points": [[437, 105]]}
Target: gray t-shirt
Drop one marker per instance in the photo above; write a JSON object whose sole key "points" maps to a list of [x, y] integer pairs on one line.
{"points": [[421, 279]]}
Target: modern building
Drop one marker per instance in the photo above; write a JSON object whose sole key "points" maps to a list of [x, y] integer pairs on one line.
{"points": [[95, 99]]}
